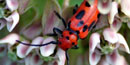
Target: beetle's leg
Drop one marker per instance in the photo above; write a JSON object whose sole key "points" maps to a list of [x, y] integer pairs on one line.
{"points": [[75, 8], [58, 15], [75, 47], [55, 31], [67, 57]]}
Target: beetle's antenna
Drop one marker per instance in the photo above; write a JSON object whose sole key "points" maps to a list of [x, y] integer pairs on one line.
{"points": [[51, 42]]}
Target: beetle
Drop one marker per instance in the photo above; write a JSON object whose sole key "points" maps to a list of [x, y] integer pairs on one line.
{"points": [[78, 27]]}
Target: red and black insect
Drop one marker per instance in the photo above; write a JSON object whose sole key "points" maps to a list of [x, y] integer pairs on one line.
{"points": [[79, 25]]}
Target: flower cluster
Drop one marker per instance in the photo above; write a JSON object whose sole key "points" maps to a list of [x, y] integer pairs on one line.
{"points": [[104, 47], [9, 14]]}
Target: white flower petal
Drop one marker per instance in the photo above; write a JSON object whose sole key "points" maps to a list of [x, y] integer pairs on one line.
{"points": [[115, 59], [103, 62], [10, 39], [104, 6], [2, 23], [12, 21], [112, 58], [121, 61], [22, 50], [33, 60], [62, 57], [36, 60], [36, 41], [27, 59], [94, 57], [116, 24], [128, 24], [48, 49], [123, 43], [113, 12], [125, 7], [94, 41], [12, 4], [110, 35]]}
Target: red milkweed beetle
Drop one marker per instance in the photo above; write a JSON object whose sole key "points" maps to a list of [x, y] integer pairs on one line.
{"points": [[78, 27]]}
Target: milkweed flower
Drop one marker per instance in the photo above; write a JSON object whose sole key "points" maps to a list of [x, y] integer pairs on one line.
{"points": [[10, 15], [45, 51], [98, 47], [9, 40], [114, 8]]}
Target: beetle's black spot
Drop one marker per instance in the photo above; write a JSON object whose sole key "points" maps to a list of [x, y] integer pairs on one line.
{"points": [[80, 23], [99, 15], [80, 14], [73, 43], [85, 28], [70, 33], [67, 37], [87, 4], [91, 25], [77, 32]]}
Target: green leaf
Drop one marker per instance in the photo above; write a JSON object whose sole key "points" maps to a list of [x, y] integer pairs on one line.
{"points": [[3, 32], [60, 2], [46, 59], [74, 2], [12, 55], [39, 6], [27, 18]]}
